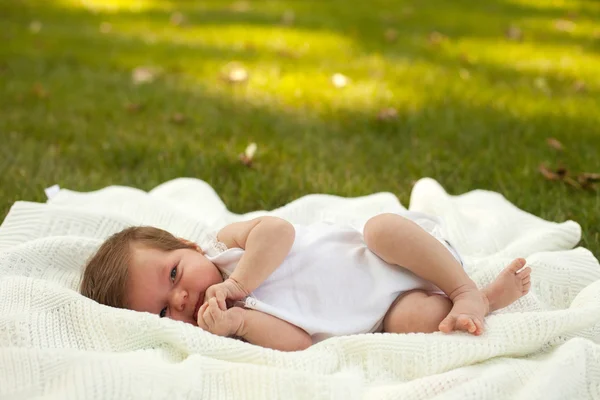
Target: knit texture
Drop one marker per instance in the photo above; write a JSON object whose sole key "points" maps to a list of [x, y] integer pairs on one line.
{"points": [[56, 343]]}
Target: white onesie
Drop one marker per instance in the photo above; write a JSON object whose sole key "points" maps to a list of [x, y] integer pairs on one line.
{"points": [[330, 283]]}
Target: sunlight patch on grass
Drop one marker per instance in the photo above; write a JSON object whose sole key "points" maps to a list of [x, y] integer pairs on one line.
{"points": [[111, 6], [252, 38], [564, 61], [546, 4]]}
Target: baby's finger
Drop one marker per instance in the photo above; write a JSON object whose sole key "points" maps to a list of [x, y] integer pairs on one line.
{"points": [[215, 311], [221, 301], [208, 319], [213, 305], [202, 308]]}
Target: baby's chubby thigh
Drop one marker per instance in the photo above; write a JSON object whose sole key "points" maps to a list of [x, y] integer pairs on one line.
{"points": [[416, 311]]}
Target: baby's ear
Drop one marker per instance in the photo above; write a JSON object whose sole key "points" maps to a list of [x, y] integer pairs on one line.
{"points": [[190, 243]]}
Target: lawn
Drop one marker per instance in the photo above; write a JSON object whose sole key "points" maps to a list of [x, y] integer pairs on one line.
{"points": [[96, 93]]}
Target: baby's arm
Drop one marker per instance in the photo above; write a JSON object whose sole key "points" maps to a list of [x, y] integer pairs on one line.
{"points": [[267, 241], [254, 326], [268, 331]]}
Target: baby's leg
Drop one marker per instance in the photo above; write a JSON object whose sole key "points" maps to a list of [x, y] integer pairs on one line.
{"points": [[416, 311], [400, 241], [421, 311]]}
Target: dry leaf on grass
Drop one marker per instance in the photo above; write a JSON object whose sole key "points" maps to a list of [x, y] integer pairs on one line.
{"points": [[435, 38], [240, 6], [555, 144], [465, 59], [391, 35], [387, 114], [588, 180], [542, 84], [178, 118], [584, 180], [105, 27], [133, 107], [177, 19], [141, 75], [548, 174], [35, 26], [40, 91], [235, 73], [407, 11], [579, 86], [514, 33], [288, 17], [564, 25], [287, 53], [248, 155]]}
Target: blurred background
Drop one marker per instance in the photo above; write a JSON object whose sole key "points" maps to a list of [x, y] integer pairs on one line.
{"points": [[270, 100]]}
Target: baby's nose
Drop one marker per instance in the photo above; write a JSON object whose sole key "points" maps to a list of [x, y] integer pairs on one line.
{"points": [[180, 299]]}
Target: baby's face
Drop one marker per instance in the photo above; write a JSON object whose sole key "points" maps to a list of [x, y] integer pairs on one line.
{"points": [[171, 284]]}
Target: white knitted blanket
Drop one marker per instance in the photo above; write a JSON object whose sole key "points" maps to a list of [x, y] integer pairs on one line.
{"points": [[56, 343]]}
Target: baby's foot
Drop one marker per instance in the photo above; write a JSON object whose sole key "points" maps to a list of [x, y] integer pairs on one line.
{"points": [[509, 286], [470, 306]]}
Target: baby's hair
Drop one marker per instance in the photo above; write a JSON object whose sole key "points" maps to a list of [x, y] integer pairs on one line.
{"points": [[105, 276]]}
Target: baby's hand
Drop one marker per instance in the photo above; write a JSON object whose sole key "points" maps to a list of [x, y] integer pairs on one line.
{"points": [[227, 290], [220, 322]]}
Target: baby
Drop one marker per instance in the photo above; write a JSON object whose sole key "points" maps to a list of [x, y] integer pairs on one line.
{"points": [[286, 286]]}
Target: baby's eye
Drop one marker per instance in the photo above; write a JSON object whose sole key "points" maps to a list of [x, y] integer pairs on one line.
{"points": [[163, 312], [173, 273]]}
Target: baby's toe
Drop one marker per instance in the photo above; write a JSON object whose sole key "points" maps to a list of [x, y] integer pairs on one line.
{"points": [[525, 273], [516, 265]]}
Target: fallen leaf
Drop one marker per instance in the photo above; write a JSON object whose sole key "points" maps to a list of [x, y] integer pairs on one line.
{"points": [[514, 33], [240, 6], [178, 118], [548, 174], [235, 73], [286, 53], [588, 180], [142, 75], [572, 182], [391, 35], [555, 144], [579, 86], [387, 114], [435, 38], [590, 176], [288, 17], [339, 80], [465, 59], [133, 107], [407, 10], [35, 26], [248, 155], [177, 19], [572, 15], [105, 27], [39, 90], [249, 46], [541, 83], [564, 25]]}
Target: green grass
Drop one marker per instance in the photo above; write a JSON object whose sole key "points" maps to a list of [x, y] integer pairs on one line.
{"points": [[474, 110]]}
